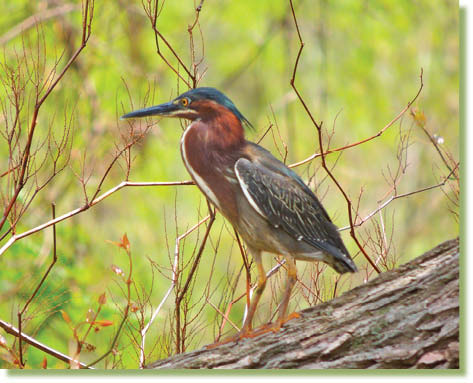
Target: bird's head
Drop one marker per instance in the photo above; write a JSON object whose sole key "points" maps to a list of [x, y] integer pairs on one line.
{"points": [[196, 104]]}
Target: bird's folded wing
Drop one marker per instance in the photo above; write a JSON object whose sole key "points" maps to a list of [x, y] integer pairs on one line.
{"points": [[285, 203]]}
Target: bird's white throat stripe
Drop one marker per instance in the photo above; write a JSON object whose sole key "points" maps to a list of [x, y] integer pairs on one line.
{"points": [[198, 179], [179, 112]]}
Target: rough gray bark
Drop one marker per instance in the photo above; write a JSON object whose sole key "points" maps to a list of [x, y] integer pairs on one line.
{"points": [[405, 318]]}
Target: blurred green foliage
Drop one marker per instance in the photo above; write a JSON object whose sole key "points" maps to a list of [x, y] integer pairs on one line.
{"points": [[359, 68]]}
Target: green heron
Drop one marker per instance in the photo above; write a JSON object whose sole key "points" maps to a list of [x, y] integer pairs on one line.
{"points": [[266, 202]]}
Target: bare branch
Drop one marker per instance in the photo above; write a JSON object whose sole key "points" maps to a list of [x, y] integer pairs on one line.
{"points": [[40, 346], [183, 291], [35, 19], [20, 313], [378, 134], [319, 131], [398, 196], [171, 287], [126, 246], [95, 201], [87, 16]]}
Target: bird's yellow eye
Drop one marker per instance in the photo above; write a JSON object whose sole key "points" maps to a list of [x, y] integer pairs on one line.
{"points": [[184, 101]]}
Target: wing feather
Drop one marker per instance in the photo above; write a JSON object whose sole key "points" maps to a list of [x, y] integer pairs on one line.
{"points": [[281, 197]]}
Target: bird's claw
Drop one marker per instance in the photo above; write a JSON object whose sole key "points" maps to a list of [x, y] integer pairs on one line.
{"points": [[235, 338], [249, 333]]}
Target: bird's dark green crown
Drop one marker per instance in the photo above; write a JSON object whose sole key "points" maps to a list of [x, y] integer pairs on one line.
{"points": [[208, 93]]}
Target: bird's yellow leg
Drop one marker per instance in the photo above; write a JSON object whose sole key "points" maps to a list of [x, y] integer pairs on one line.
{"points": [[247, 326], [291, 281], [282, 316], [245, 331]]}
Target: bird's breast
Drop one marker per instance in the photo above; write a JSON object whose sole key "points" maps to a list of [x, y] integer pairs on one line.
{"points": [[211, 169]]}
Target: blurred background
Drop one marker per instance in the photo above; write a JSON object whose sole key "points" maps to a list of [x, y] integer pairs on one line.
{"points": [[360, 67]]}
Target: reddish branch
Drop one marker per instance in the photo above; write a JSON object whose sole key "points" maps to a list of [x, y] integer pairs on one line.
{"points": [[434, 140], [87, 16], [342, 148], [180, 345], [30, 299], [152, 12], [40, 346], [403, 195], [190, 30], [319, 132], [85, 207], [125, 244], [174, 281]]}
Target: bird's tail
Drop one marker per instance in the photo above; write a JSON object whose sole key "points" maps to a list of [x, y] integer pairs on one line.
{"points": [[345, 264], [340, 260]]}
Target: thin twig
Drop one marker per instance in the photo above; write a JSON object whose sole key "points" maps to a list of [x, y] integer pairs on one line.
{"points": [[168, 292], [128, 282], [40, 346], [144, 331], [319, 133], [152, 14], [20, 313], [180, 296], [36, 19], [398, 196], [74, 212], [87, 16], [223, 315], [379, 133], [190, 30], [6, 172]]}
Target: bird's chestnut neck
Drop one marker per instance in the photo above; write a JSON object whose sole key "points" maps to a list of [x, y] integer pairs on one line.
{"points": [[221, 128]]}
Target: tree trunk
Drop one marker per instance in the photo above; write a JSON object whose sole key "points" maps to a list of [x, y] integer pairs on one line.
{"points": [[405, 318]]}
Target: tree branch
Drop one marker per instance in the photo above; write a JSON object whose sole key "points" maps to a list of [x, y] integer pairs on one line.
{"points": [[40, 346], [404, 318], [95, 201], [36, 19]]}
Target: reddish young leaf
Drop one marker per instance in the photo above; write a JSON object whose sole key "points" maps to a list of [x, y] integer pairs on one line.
{"points": [[103, 323], [44, 364], [125, 242], [118, 244]]}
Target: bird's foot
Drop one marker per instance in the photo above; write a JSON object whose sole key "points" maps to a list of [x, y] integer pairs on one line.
{"points": [[274, 327], [244, 333], [293, 315], [249, 333]]}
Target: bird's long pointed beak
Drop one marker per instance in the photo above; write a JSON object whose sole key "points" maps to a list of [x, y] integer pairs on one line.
{"points": [[167, 109]]}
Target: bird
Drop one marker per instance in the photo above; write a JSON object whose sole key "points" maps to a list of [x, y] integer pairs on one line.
{"points": [[267, 203]]}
